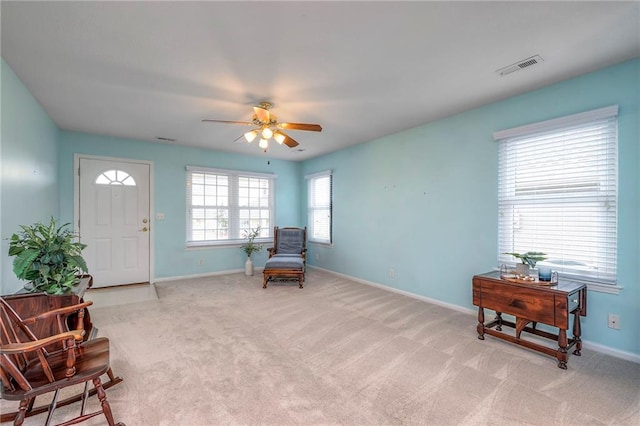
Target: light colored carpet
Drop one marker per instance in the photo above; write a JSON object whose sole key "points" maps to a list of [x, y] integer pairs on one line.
{"points": [[224, 351]]}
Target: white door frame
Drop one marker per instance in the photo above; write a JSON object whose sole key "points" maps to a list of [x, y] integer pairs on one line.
{"points": [[76, 200]]}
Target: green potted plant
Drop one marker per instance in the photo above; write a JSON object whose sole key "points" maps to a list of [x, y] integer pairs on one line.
{"points": [[249, 248], [529, 260], [48, 257]]}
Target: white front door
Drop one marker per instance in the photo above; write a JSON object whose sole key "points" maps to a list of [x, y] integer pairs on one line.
{"points": [[114, 220]]}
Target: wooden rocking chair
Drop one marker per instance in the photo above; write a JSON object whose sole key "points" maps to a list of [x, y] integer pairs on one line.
{"points": [[32, 366]]}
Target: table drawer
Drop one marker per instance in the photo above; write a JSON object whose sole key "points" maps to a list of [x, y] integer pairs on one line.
{"points": [[574, 301], [518, 301]]}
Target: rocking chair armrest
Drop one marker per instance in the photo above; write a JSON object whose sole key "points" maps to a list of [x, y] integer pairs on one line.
{"points": [[18, 348], [56, 312]]}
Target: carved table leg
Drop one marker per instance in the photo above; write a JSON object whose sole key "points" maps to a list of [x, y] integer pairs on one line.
{"points": [[577, 333], [480, 327], [499, 319], [521, 323], [562, 349]]}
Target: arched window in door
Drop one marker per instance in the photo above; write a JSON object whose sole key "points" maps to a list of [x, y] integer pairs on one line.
{"points": [[115, 177]]}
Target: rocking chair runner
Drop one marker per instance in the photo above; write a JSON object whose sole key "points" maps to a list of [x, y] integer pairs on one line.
{"points": [[287, 257], [30, 367]]}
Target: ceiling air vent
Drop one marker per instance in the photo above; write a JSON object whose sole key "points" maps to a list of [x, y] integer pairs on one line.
{"points": [[525, 63]]}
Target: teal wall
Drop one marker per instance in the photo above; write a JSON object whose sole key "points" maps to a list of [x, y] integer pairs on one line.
{"points": [[172, 259], [423, 202], [28, 157]]}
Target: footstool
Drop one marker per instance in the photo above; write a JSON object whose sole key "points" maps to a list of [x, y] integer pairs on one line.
{"points": [[283, 266]]}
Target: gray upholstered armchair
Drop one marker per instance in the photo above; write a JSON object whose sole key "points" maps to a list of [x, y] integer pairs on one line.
{"points": [[289, 242], [287, 257]]}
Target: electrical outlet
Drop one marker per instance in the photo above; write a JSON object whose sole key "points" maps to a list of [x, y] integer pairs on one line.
{"points": [[200, 262], [614, 321], [317, 256], [159, 216], [392, 273]]}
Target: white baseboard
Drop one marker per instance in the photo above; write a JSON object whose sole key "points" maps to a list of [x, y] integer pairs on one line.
{"points": [[629, 356], [597, 347], [403, 292]]}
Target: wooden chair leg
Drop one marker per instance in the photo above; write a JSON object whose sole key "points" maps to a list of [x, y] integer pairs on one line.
{"points": [[102, 396], [110, 374], [265, 280], [22, 411]]}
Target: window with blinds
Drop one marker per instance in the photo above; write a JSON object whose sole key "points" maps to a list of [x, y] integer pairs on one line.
{"points": [[557, 193], [319, 194], [223, 206]]}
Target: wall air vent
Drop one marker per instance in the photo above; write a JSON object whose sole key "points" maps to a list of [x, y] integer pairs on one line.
{"points": [[525, 63], [160, 138]]}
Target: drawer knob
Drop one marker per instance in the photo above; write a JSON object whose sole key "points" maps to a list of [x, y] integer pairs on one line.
{"points": [[575, 300]]}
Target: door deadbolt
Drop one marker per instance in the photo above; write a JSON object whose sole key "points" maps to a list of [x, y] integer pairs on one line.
{"points": [[144, 220]]}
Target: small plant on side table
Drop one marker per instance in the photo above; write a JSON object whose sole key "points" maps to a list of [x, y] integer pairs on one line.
{"points": [[529, 259]]}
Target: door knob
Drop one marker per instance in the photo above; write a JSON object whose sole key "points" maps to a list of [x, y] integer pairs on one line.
{"points": [[144, 229]]}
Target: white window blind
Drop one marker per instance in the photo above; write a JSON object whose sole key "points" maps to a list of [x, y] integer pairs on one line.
{"points": [[224, 205], [557, 193], [319, 194]]}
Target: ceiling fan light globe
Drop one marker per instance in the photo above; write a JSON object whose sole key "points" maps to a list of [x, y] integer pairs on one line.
{"points": [[250, 136], [264, 144], [267, 133]]}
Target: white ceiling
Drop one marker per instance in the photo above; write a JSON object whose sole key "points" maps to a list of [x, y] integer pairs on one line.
{"points": [[362, 70]]}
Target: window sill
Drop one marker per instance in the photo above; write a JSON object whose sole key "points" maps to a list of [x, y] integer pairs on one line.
{"points": [[596, 286], [224, 244], [320, 243], [604, 288]]}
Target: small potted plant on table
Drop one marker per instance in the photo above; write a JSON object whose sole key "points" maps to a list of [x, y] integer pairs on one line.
{"points": [[529, 260]]}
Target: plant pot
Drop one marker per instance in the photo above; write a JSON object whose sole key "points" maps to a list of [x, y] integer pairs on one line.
{"points": [[522, 269], [248, 267]]}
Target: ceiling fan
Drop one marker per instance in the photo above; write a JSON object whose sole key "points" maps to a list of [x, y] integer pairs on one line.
{"points": [[267, 126]]}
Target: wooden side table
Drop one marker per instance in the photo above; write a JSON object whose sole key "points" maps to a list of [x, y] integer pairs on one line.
{"points": [[28, 304], [531, 303]]}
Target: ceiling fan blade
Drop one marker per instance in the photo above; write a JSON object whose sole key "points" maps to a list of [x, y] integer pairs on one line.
{"points": [[301, 126], [289, 141], [262, 114], [246, 123]]}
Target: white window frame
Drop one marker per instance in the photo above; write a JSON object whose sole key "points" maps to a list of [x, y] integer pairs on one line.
{"points": [[518, 149], [314, 208], [236, 230]]}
